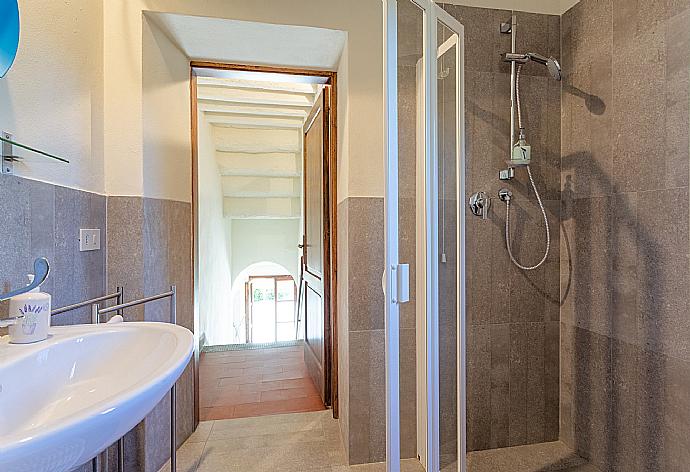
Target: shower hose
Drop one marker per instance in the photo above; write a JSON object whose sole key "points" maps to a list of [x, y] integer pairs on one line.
{"points": [[536, 193]]}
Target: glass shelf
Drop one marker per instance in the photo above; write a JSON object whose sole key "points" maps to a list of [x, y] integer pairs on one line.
{"points": [[8, 156]]}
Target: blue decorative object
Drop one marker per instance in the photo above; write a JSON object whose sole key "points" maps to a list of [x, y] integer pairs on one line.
{"points": [[9, 34]]}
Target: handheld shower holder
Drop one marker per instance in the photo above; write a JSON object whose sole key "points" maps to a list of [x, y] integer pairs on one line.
{"points": [[505, 195]]}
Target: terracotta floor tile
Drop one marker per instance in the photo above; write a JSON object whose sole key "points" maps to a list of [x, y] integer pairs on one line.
{"points": [[207, 381], [216, 413], [239, 384], [236, 398], [245, 379], [224, 360], [270, 369], [290, 374], [288, 394], [277, 385], [221, 370], [207, 396], [279, 406]]}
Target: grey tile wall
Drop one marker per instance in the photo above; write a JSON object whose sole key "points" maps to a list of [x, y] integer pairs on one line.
{"points": [[40, 219], [625, 274], [149, 249], [365, 322], [361, 336], [512, 315], [343, 325], [146, 246]]}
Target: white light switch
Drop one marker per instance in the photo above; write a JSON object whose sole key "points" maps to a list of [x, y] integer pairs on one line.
{"points": [[89, 239]]}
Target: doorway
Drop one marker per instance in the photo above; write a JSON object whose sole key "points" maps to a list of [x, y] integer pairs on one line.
{"points": [[273, 133], [270, 302]]}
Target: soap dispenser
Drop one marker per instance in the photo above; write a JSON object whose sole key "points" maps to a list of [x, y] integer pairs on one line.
{"points": [[34, 310]]}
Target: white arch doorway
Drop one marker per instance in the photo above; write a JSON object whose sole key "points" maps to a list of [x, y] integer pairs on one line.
{"points": [[263, 298]]}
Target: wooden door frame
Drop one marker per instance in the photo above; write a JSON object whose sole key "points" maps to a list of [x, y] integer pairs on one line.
{"points": [[330, 229]]}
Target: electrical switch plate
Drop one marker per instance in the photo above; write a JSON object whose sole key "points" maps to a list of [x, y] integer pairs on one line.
{"points": [[89, 239]]}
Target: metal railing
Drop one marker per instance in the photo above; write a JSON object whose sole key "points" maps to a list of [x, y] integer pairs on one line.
{"points": [[96, 312]]}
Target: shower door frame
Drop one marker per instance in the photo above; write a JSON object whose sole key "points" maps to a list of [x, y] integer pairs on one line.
{"points": [[428, 162]]}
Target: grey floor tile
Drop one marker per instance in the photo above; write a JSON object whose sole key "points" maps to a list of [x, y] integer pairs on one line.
{"points": [[542, 457], [301, 442]]}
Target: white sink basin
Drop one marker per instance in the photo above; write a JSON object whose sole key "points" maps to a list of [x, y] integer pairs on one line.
{"points": [[64, 400]]}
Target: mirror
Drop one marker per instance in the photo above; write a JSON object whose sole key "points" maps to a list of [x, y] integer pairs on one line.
{"points": [[9, 34]]}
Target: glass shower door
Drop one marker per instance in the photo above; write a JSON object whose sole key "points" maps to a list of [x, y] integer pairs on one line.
{"points": [[450, 268], [423, 242]]}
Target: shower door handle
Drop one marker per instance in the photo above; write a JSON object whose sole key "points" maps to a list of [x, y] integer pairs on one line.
{"points": [[399, 284]]}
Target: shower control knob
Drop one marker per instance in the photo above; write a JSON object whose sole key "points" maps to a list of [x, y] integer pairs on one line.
{"points": [[480, 203]]}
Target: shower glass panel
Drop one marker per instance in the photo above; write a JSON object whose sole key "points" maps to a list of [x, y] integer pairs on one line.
{"points": [[411, 142], [512, 306], [448, 152], [424, 157]]}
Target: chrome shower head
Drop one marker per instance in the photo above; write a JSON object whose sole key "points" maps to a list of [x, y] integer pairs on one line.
{"points": [[551, 63], [554, 68]]}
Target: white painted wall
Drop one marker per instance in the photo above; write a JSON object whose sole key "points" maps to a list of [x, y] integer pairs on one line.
{"points": [[360, 19], [215, 277], [343, 137], [91, 79], [256, 241], [166, 159], [52, 98]]}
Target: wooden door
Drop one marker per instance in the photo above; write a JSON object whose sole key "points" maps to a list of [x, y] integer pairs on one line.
{"points": [[316, 256]]}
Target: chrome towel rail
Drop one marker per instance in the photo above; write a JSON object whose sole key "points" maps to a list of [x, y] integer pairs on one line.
{"points": [[96, 311], [118, 295], [172, 294], [122, 306]]}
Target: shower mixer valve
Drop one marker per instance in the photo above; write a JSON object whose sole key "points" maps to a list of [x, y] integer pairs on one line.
{"points": [[480, 203]]}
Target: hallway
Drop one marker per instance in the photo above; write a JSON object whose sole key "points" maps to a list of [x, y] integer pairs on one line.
{"points": [[255, 382]]}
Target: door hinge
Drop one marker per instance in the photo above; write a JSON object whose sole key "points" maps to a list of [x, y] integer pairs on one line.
{"points": [[400, 286]]}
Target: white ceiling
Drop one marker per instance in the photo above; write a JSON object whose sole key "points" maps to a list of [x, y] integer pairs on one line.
{"points": [[257, 134], [247, 42], [256, 119]]}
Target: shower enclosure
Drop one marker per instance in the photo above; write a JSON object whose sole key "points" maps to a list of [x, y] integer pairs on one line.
{"points": [[536, 286], [476, 370]]}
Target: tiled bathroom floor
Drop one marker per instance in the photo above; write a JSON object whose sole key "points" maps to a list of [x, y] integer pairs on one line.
{"points": [[257, 382], [542, 457], [299, 442]]}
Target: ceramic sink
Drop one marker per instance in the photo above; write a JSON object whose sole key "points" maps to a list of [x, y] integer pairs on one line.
{"points": [[64, 400]]}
